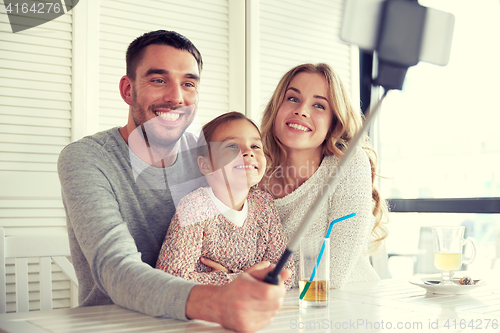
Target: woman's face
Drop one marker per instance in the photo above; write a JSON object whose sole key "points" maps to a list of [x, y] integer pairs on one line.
{"points": [[304, 118]]}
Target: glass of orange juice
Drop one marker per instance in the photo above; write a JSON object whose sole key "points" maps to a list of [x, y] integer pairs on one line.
{"points": [[448, 246]]}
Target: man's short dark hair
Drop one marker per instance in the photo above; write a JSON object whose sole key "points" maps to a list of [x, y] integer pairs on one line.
{"points": [[137, 48]]}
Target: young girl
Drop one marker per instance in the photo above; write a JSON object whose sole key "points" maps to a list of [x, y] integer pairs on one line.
{"points": [[230, 222], [306, 127]]}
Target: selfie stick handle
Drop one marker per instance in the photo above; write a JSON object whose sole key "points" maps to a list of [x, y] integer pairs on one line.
{"points": [[273, 276]]}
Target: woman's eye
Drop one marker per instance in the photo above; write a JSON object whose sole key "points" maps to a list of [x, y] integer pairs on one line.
{"points": [[293, 99], [319, 106]]}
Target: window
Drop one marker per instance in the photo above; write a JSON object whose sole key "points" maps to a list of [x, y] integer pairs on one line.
{"points": [[439, 145]]}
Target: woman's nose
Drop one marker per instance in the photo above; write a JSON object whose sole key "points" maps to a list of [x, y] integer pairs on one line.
{"points": [[302, 111]]}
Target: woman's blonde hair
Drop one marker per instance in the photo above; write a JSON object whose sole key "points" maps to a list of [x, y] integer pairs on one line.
{"points": [[346, 122]]}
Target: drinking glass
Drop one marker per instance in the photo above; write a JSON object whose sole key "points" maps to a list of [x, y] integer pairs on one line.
{"points": [[318, 288], [448, 247]]}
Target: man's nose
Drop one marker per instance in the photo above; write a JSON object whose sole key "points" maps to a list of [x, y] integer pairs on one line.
{"points": [[173, 94]]}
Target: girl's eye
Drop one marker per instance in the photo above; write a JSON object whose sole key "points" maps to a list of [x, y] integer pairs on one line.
{"points": [[255, 147], [232, 145], [293, 99], [319, 106]]}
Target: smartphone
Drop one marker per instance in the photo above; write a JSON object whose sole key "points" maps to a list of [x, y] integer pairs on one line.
{"points": [[361, 26]]}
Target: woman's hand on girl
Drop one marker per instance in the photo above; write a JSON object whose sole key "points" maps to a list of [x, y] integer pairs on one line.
{"points": [[218, 267], [214, 265]]}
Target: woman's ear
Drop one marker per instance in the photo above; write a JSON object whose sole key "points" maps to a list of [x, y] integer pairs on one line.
{"points": [[126, 89], [204, 165]]}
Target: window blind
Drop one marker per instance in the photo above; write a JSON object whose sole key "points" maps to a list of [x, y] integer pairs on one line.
{"points": [[205, 23], [294, 32], [35, 124]]}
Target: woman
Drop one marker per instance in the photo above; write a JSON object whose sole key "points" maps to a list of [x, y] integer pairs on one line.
{"points": [[306, 127]]}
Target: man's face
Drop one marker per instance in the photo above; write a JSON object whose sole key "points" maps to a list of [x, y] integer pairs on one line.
{"points": [[164, 94]]}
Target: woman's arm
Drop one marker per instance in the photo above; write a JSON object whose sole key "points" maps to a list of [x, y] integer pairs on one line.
{"points": [[277, 243], [349, 239]]}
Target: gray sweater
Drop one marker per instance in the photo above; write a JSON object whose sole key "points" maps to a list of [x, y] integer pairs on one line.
{"points": [[117, 219]]}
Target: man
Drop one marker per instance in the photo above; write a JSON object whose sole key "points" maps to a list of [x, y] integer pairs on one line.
{"points": [[119, 199]]}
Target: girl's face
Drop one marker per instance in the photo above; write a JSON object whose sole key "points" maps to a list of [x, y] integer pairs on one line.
{"points": [[236, 146], [305, 116]]}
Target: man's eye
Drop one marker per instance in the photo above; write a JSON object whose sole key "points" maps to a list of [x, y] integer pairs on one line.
{"points": [[158, 80], [190, 85]]}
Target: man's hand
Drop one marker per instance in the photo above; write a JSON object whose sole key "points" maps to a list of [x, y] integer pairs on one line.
{"points": [[247, 304], [259, 266], [218, 267]]}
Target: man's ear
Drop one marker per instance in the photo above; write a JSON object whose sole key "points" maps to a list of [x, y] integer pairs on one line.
{"points": [[204, 165], [126, 89]]}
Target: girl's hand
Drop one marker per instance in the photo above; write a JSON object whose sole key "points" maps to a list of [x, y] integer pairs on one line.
{"points": [[258, 266], [214, 266]]}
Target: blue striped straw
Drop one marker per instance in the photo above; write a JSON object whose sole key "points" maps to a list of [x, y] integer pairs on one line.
{"points": [[306, 287]]}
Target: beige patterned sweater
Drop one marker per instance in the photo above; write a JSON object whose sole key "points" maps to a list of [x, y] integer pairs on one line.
{"points": [[198, 229], [349, 239]]}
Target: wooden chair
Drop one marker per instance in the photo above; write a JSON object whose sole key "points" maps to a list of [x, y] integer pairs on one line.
{"points": [[47, 249]]}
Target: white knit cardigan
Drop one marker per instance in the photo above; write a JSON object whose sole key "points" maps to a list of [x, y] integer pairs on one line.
{"points": [[349, 239]]}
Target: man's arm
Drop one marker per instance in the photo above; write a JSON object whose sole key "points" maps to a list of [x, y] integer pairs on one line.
{"points": [[245, 305], [106, 256]]}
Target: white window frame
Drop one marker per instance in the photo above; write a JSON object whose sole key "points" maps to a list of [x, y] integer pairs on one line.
{"points": [[85, 91]]}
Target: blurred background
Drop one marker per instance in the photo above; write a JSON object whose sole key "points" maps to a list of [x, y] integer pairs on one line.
{"points": [[438, 138]]}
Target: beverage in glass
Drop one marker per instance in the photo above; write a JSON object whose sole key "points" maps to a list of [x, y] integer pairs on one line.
{"points": [[448, 246], [317, 290]]}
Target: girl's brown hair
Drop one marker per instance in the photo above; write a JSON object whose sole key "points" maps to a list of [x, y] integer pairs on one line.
{"points": [[346, 122]]}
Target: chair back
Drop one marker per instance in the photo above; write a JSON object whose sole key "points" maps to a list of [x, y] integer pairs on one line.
{"points": [[48, 248]]}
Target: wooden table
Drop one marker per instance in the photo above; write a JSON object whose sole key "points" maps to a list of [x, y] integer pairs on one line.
{"points": [[382, 306]]}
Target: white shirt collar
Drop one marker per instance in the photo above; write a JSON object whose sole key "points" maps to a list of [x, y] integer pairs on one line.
{"points": [[234, 216]]}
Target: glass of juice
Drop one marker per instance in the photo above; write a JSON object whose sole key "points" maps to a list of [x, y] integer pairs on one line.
{"points": [[314, 273], [448, 246]]}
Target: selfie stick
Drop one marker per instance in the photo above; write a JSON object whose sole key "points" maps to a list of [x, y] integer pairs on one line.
{"points": [[273, 276]]}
